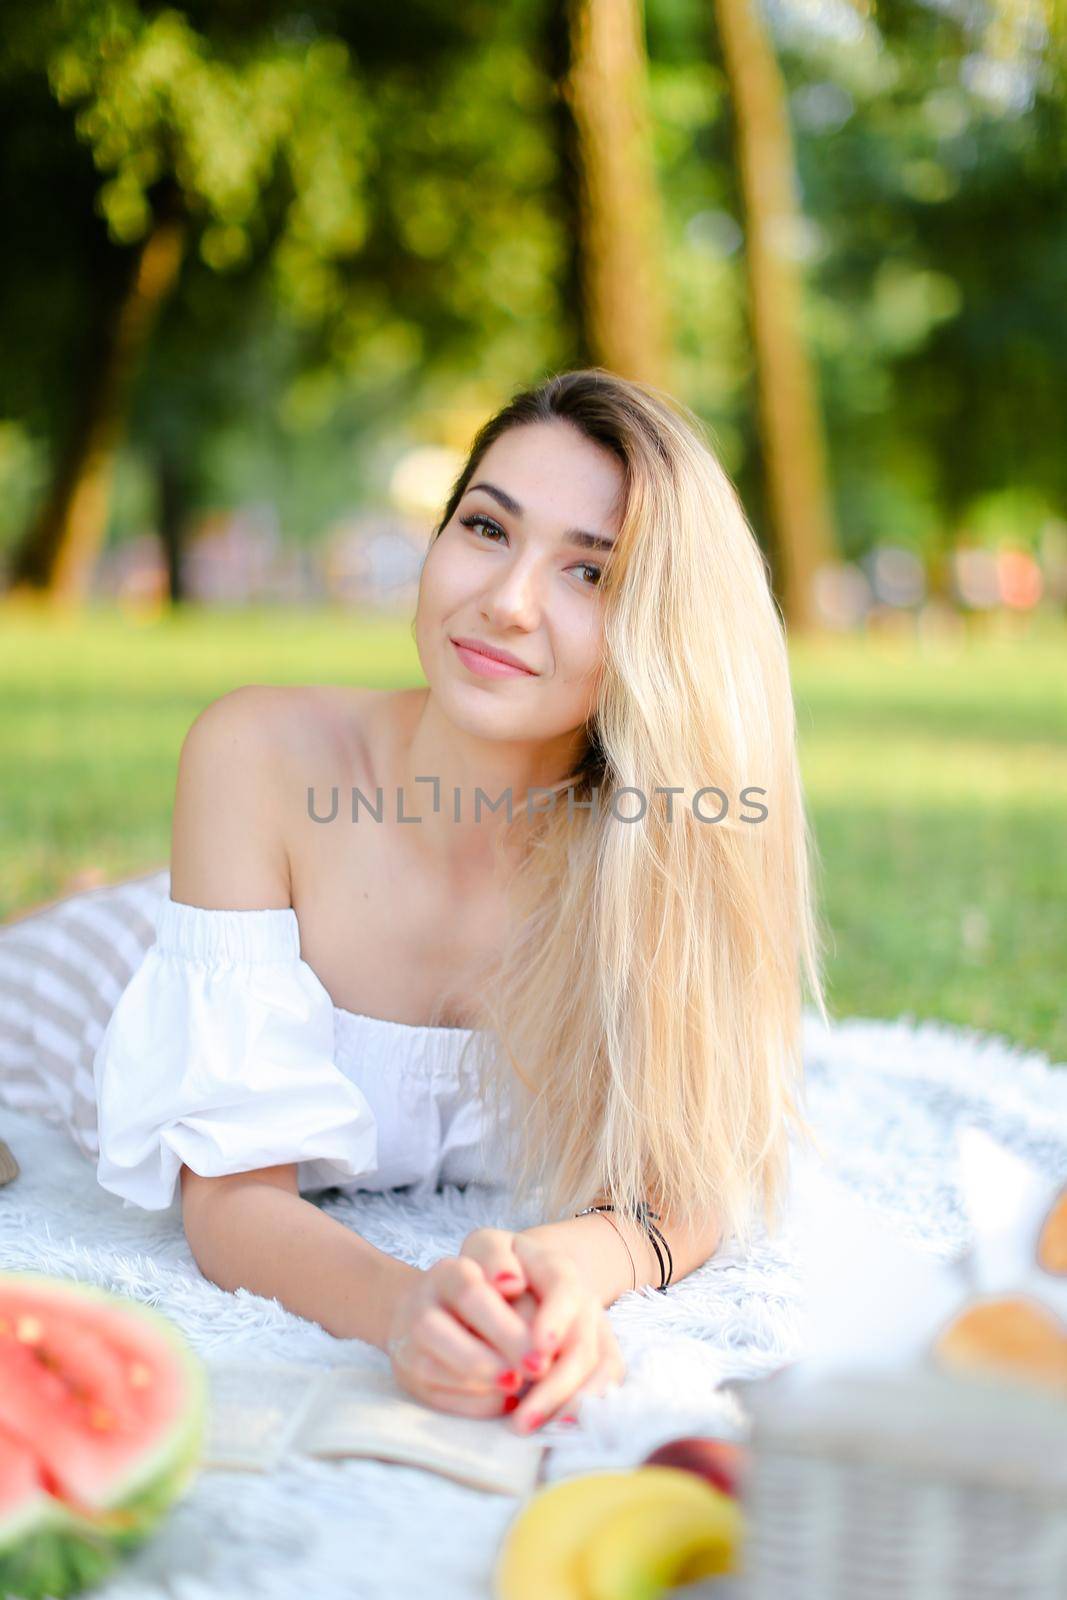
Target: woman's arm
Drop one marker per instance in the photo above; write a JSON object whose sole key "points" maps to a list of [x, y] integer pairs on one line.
{"points": [[600, 1256], [254, 1230]]}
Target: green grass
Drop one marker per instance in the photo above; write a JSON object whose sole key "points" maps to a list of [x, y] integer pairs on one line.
{"points": [[936, 775]]}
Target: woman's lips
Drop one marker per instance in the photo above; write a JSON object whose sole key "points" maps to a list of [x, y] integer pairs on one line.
{"points": [[488, 666]]}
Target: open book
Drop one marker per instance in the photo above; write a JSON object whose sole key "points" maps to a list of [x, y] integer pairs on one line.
{"points": [[262, 1412]]}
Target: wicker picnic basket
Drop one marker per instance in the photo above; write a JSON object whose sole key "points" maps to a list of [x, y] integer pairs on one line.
{"points": [[916, 1485]]}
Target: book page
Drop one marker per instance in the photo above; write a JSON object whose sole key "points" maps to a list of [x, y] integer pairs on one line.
{"points": [[366, 1413]]}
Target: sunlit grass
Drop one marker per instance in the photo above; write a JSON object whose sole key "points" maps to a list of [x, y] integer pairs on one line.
{"points": [[936, 775], [937, 779]]}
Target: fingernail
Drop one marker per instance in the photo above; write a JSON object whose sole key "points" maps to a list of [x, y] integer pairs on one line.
{"points": [[511, 1402], [507, 1380], [569, 1417], [534, 1420], [533, 1361], [506, 1277]]}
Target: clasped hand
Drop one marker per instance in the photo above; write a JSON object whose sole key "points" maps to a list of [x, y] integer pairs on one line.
{"points": [[504, 1326]]}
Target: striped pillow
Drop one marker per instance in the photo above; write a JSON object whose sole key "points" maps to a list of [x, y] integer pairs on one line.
{"points": [[62, 970]]}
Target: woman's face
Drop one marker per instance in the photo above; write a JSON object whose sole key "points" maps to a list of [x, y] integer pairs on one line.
{"points": [[511, 569]]}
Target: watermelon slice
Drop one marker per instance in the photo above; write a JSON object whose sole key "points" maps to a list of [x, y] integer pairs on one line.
{"points": [[102, 1414]]}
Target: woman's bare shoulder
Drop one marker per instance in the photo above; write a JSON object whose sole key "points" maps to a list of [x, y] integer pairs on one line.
{"points": [[290, 722], [244, 769]]}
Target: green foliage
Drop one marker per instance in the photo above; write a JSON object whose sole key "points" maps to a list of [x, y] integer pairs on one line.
{"points": [[378, 237], [393, 244], [154, 100], [930, 144]]}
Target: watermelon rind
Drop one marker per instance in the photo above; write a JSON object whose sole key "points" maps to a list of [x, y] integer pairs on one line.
{"points": [[39, 1557], [54, 1559], [62, 1546]]}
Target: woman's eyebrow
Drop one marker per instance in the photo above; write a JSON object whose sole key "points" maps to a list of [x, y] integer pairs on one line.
{"points": [[573, 536]]}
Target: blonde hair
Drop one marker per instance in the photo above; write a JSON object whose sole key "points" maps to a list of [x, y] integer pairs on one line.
{"points": [[641, 1035]]}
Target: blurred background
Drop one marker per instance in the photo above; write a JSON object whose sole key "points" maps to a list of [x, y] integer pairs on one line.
{"points": [[269, 267]]}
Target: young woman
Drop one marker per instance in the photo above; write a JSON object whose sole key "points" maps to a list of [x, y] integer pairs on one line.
{"points": [[576, 862]]}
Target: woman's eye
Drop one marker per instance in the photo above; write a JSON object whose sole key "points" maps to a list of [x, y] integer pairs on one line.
{"points": [[585, 567], [476, 520]]}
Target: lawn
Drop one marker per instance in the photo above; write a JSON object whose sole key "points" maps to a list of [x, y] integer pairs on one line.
{"points": [[936, 774]]}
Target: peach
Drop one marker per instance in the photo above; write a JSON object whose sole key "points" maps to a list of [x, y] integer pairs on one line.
{"points": [[718, 1461]]}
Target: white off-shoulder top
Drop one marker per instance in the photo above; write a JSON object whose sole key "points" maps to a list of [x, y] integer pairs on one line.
{"points": [[226, 1053]]}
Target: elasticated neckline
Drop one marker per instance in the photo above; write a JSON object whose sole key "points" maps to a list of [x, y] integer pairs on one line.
{"points": [[272, 933]]}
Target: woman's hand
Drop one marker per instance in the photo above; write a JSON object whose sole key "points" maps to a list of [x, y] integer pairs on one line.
{"points": [[569, 1329], [455, 1342]]}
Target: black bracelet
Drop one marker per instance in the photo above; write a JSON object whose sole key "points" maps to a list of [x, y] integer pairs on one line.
{"points": [[646, 1213], [659, 1258], [652, 1229]]}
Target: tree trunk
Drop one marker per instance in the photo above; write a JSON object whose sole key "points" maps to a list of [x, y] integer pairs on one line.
{"points": [[790, 423], [59, 550], [556, 47], [620, 231], [172, 509]]}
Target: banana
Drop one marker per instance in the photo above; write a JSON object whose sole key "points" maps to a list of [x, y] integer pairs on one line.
{"points": [[542, 1555], [633, 1557]]}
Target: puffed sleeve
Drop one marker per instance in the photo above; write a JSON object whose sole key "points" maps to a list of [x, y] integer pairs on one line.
{"points": [[220, 1054]]}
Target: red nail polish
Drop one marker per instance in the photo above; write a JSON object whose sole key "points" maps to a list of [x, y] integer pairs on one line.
{"points": [[569, 1417], [506, 1277], [534, 1420], [508, 1379], [511, 1402], [533, 1361]]}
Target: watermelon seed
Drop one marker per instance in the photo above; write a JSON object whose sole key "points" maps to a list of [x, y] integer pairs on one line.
{"points": [[46, 1359]]}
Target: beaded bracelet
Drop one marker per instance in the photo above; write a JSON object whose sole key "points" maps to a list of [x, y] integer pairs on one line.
{"points": [[644, 1216]]}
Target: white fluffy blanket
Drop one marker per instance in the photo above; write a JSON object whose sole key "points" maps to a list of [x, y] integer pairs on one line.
{"points": [[887, 1099]]}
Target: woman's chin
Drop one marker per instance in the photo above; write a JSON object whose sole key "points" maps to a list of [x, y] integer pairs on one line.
{"points": [[471, 708]]}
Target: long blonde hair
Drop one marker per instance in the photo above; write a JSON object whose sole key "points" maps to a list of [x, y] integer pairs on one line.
{"points": [[641, 1035]]}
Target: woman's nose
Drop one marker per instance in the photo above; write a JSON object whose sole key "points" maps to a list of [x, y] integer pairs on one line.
{"points": [[515, 597]]}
